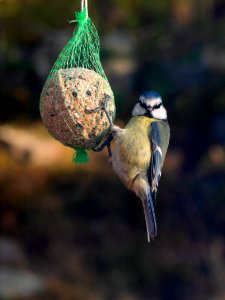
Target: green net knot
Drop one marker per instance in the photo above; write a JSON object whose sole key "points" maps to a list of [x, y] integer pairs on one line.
{"points": [[82, 16], [81, 156]]}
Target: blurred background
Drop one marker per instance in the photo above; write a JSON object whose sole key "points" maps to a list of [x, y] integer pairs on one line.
{"points": [[73, 231]]}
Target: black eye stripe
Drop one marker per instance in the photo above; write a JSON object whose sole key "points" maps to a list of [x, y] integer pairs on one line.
{"points": [[157, 106], [143, 105]]}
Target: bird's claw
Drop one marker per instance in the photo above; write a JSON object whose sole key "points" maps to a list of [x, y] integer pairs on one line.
{"points": [[105, 144], [106, 101], [103, 107], [91, 111]]}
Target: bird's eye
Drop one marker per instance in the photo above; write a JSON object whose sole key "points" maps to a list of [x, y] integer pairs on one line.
{"points": [[157, 106], [142, 104]]}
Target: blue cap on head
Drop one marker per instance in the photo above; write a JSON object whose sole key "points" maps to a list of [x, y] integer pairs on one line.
{"points": [[151, 95]]}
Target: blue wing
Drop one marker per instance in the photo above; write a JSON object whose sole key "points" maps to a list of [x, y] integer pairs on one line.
{"points": [[156, 162], [159, 139]]}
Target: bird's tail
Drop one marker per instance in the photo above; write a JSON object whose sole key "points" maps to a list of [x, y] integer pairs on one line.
{"points": [[150, 217]]}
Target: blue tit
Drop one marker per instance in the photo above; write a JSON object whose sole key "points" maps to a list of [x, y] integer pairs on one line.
{"points": [[140, 150]]}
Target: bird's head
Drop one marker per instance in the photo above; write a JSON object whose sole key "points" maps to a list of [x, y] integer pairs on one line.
{"points": [[150, 105]]}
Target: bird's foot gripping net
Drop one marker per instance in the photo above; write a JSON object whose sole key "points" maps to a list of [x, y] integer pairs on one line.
{"points": [[103, 107]]}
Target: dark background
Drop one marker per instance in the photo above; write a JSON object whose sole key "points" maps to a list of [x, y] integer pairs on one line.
{"points": [[73, 231]]}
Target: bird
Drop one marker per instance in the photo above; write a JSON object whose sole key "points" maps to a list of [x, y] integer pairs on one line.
{"points": [[139, 152]]}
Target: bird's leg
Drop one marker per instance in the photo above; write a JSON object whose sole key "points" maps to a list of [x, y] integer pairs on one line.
{"points": [[109, 139], [105, 144], [106, 100], [114, 129], [108, 145], [102, 107]]}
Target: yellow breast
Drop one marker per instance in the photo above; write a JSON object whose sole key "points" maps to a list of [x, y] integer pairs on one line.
{"points": [[134, 146]]}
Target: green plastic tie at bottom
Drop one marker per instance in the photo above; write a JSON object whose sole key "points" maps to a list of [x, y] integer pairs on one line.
{"points": [[81, 156]]}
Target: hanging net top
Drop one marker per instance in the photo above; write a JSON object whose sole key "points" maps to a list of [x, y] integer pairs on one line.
{"points": [[83, 49]]}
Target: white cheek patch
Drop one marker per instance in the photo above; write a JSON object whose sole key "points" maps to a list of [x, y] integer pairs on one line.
{"points": [[160, 113]]}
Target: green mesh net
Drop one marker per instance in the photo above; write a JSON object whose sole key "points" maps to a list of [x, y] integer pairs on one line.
{"points": [[83, 49], [76, 85]]}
